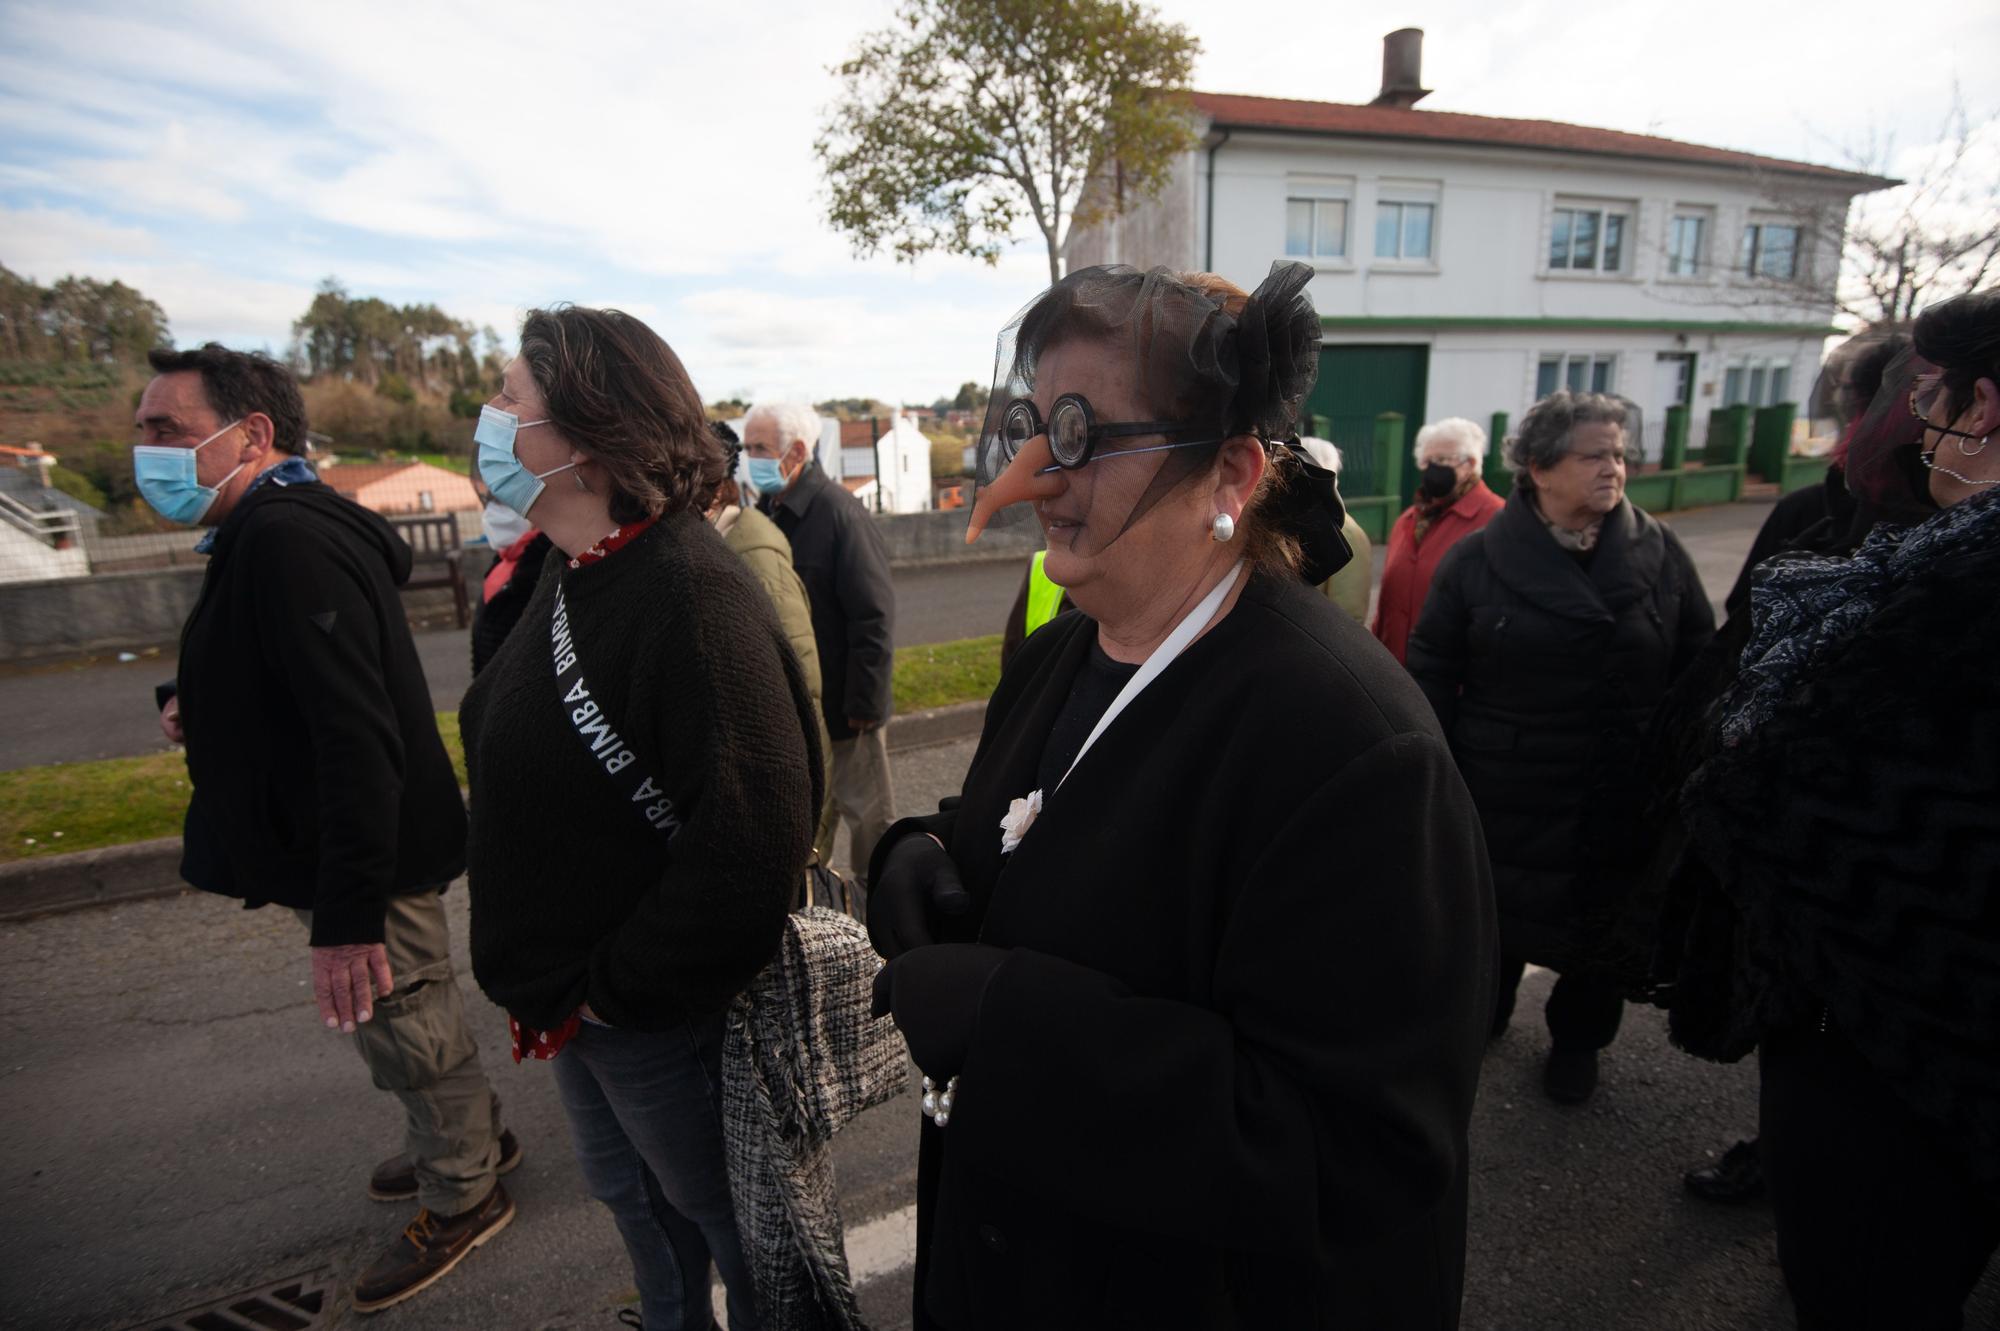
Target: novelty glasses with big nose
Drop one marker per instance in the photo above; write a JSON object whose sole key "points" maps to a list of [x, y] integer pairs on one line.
{"points": [[1074, 431]]}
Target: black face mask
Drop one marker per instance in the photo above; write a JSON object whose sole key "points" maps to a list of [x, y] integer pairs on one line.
{"points": [[1439, 480]]}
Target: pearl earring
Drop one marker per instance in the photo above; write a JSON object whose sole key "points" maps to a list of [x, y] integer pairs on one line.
{"points": [[1222, 528]]}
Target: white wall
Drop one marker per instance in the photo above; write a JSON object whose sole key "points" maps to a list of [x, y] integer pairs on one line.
{"points": [[26, 559], [906, 463], [1495, 206], [1492, 231]]}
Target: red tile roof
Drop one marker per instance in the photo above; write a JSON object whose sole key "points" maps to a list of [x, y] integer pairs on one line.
{"points": [[348, 478], [1236, 111]]}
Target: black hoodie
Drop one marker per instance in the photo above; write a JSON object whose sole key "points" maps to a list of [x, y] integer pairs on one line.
{"points": [[319, 778]]}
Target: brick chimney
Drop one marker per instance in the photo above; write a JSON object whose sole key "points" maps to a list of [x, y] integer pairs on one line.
{"points": [[1402, 70]]}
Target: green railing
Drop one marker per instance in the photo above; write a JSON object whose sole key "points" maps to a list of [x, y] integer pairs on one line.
{"points": [[1372, 453]]}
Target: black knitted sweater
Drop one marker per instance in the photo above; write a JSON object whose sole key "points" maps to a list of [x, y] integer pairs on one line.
{"points": [[1856, 833], [575, 897]]}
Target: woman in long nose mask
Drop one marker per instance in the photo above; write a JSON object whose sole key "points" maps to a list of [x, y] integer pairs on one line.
{"points": [[1198, 964]]}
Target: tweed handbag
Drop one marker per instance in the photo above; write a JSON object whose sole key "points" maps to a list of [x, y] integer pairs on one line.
{"points": [[801, 1057]]}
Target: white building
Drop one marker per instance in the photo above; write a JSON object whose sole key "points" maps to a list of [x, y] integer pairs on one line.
{"points": [[1470, 264], [885, 463]]}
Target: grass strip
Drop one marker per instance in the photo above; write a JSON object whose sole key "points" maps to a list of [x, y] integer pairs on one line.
{"points": [[115, 801], [941, 673]]}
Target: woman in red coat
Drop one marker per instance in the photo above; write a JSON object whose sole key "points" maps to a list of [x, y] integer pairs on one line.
{"points": [[1452, 503]]}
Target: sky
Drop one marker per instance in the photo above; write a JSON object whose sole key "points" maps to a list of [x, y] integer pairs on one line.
{"points": [[224, 156]]}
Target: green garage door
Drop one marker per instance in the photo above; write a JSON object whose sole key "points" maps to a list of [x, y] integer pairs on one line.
{"points": [[1358, 383]]}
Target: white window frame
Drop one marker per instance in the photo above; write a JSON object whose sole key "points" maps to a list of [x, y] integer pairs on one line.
{"points": [[1402, 195], [1587, 361], [1317, 190], [1626, 211], [1755, 381], [1751, 248], [1704, 255]]}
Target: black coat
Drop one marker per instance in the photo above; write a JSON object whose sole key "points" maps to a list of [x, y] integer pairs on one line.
{"points": [[842, 560], [319, 778], [1856, 834], [1224, 1076], [493, 619], [1544, 672]]}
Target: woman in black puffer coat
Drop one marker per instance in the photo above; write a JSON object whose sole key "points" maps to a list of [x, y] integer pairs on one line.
{"points": [[1548, 638]]}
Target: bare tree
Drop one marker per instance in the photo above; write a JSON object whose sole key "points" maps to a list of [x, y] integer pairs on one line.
{"points": [[1932, 238], [1904, 244]]}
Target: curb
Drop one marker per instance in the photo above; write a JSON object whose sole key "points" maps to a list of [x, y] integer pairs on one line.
{"points": [[54, 884], [107, 876], [937, 725]]}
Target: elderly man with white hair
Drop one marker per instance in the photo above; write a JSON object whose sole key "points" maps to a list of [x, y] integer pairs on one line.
{"points": [[841, 558], [1452, 502]]}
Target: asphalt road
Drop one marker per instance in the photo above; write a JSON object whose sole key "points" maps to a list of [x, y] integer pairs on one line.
{"points": [[174, 1128], [103, 708]]}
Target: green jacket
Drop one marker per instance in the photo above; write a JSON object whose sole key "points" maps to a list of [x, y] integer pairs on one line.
{"points": [[1348, 588], [764, 548]]}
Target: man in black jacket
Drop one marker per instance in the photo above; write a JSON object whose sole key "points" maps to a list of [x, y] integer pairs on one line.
{"points": [[320, 782], [844, 564]]}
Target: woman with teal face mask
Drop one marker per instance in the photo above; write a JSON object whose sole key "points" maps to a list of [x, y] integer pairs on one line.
{"points": [[500, 466], [636, 830]]}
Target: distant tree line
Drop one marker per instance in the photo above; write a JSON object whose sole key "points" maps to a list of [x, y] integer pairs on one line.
{"points": [[77, 321], [402, 351]]}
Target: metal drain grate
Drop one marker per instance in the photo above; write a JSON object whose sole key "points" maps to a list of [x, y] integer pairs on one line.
{"points": [[296, 1303]]}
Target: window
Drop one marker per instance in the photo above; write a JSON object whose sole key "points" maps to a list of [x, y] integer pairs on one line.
{"points": [[425, 502], [1403, 230], [1588, 240], [1578, 371], [1757, 383], [1316, 228], [1685, 237], [1771, 250]]}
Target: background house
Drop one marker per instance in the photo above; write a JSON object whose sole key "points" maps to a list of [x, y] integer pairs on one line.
{"points": [[42, 529], [401, 488], [885, 463], [1468, 264]]}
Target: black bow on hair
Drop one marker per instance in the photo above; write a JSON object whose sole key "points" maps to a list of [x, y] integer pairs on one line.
{"points": [[1307, 504], [1277, 353]]}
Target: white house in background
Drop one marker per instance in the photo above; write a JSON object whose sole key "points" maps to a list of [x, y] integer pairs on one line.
{"points": [[41, 528], [1470, 264], [847, 452], [885, 463]]}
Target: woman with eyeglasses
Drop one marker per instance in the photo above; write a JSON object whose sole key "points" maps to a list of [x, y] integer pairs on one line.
{"points": [[1548, 637], [1851, 814], [1198, 963]]}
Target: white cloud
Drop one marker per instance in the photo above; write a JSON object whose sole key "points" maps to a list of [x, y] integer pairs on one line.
{"points": [[659, 158]]}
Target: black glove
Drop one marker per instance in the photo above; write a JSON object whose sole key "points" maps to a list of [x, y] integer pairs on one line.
{"points": [[934, 994], [918, 883]]}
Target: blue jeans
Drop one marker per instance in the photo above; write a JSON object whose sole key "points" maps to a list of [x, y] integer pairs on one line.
{"points": [[645, 1116]]}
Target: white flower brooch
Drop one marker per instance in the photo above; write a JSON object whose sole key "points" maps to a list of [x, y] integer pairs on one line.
{"points": [[1020, 817]]}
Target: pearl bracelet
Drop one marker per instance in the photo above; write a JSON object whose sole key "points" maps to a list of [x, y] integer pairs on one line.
{"points": [[937, 1103]]}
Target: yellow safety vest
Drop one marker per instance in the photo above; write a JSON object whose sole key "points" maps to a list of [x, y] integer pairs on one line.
{"points": [[1044, 597]]}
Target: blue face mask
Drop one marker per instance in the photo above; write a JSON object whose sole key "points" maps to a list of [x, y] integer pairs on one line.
{"points": [[511, 483], [167, 479], [766, 476]]}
